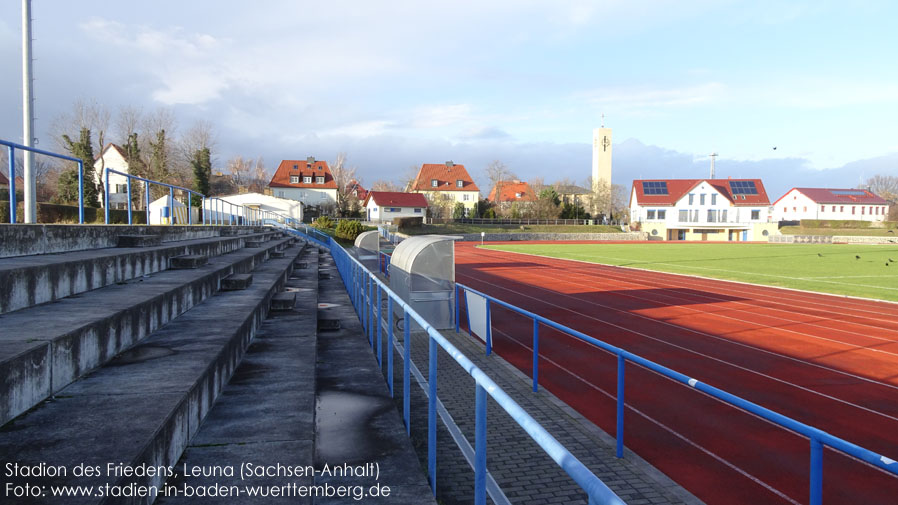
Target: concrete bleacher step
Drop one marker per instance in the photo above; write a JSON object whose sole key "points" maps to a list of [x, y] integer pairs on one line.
{"points": [[79, 333], [146, 240], [283, 301], [234, 282], [26, 281], [189, 261], [143, 407], [266, 413]]}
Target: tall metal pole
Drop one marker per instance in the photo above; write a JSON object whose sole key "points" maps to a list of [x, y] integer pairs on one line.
{"points": [[712, 155], [28, 115]]}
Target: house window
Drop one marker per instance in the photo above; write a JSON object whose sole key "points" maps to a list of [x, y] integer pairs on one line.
{"points": [[695, 216], [433, 183], [294, 179], [662, 214], [466, 197], [650, 214], [853, 210], [280, 194], [804, 209], [319, 180], [785, 209], [393, 209], [713, 198], [701, 199], [691, 198], [841, 208], [121, 188], [723, 216], [862, 211], [755, 215], [834, 208], [374, 210], [711, 216], [307, 179], [517, 195], [295, 167], [684, 216], [823, 208], [324, 196], [417, 211], [459, 183]]}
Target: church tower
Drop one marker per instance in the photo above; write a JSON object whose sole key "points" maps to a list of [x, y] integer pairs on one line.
{"points": [[601, 162]]}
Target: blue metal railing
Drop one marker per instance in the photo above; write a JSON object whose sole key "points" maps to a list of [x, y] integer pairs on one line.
{"points": [[384, 263], [11, 149], [818, 438], [361, 284]]}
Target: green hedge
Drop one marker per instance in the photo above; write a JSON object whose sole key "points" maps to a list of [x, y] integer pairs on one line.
{"points": [[48, 213]]}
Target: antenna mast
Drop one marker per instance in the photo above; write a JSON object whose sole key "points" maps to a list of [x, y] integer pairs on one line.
{"points": [[712, 155]]}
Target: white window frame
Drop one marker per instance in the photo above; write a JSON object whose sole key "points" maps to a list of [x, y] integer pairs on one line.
{"points": [[319, 179], [434, 183], [307, 179], [294, 179]]}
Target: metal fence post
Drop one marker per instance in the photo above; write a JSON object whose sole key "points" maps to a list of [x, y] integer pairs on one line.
{"points": [[535, 355], [130, 220], [456, 308], [12, 184], [390, 343], [489, 329], [406, 387], [81, 192], [371, 286], [816, 492], [203, 211], [432, 415], [146, 194], [171, 206], [106, 194], [189, 214], [480, 403], [619, 432], [380, 337]]}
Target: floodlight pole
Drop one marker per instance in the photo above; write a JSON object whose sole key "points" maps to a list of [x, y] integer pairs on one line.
{"points": [[28, 115]]}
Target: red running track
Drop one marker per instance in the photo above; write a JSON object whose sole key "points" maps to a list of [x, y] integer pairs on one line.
{"points": [[828, 361]]}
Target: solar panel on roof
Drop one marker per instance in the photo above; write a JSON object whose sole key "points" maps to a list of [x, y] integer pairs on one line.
{"points": [[654, 187], [743, 187], [852, 192]]}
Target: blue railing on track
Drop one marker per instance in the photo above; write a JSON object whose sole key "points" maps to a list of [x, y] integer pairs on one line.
{"points": [[818, 438], [384, 263], [11, 150], [365, 291]]}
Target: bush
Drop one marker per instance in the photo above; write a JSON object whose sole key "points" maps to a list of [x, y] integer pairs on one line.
{"points": [[348, 229], [323, 223]]}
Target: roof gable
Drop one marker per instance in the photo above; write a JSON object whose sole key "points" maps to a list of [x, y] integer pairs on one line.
{"points": [[679, 188], [392, 198], [447, 176], [509, 191], [303, 168]]}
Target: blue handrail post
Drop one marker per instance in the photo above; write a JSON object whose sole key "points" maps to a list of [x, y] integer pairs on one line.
{"points": [[380, 337], [432, 415], [204, 210], [81, 192], [406, 371], [171, 206], [535, 355], [189, 214], [371, 330], [390, 343], [816, 492], [130, 217], [480, 445], [489, 329], [106, 194], [619, 431], [12, 184], [456, 308], [146, 194]]}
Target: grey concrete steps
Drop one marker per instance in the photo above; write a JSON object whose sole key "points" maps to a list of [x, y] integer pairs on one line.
{"points": [[143, 407], [45, 347], [26, 281], [265, 415]]}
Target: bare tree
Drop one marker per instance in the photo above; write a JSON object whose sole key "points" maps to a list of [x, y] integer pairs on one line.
{"points": [[342, 176], [407, 178], [240, 170], [382, 185], [88, 114], [259, 177], [885, 186], [128, 122], [498, 174]]}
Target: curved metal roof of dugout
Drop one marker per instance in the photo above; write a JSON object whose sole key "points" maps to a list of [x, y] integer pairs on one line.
{"points": [[422, 272], [369, 241]]}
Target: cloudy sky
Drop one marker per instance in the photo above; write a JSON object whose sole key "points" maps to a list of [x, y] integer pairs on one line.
{"points": [[396, 84]]}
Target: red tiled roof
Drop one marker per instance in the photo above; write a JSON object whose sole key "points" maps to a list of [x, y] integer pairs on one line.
{"points": [[446, 176], [391, 199], [511, 190], [826, 195], [281, 178], [4, 180], [678, 188], [355, 185]]}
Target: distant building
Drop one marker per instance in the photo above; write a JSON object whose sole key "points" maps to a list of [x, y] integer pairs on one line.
{"points": [[824, 203], [702, 209], [511, 191], [286, 209], [355, 189], [113, 157], [384, 206], [308, 181], [446, 182]]}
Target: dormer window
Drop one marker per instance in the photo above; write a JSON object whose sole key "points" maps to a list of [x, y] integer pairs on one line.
{"points": [[294, 179], [434, 183], [307, 179], [459, 183], [319, 180], [295, 167]]}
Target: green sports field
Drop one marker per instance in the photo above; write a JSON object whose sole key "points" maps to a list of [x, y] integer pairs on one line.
{"points": [[852, 270]]}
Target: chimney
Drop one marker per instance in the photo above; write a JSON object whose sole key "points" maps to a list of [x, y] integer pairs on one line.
{"points": [[450, 164], [310, 159]]}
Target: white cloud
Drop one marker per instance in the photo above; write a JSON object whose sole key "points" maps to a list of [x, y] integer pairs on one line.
{"points": [[636, 99]]}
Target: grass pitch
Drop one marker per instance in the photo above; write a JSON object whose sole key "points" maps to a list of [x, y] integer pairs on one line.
{"points": [[853, 270]]}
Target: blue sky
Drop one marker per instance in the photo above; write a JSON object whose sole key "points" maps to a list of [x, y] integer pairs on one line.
{"points": [[396, 84]]}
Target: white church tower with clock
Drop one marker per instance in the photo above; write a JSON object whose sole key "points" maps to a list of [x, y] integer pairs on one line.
{"points": [[601, 161]]}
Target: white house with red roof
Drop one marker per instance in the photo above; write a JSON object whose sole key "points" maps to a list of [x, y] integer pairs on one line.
{"points": [[309, 181], [702, 209], [384, 206], [446, 181], [825, 203], [113, 157], [512, 191]]}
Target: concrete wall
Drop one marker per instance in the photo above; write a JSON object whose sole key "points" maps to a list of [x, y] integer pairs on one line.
{"points": [[25, 239]]}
